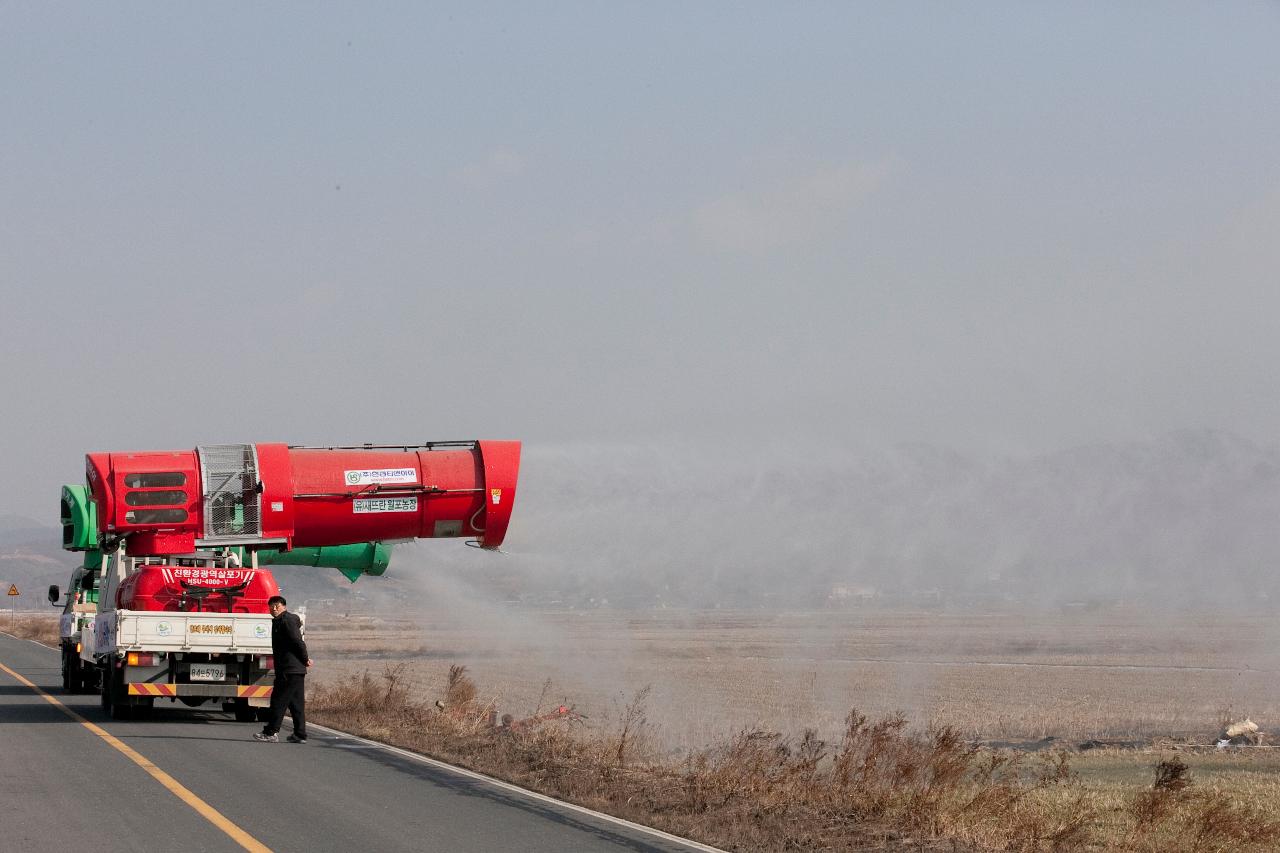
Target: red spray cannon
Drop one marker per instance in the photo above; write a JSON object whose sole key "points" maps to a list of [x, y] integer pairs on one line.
{"points": [[281, 496]]}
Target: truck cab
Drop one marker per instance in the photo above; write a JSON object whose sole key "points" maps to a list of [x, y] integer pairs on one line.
{"points": [[80, 605]]}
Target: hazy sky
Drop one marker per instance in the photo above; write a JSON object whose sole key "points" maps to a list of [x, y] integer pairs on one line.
{"points": [[1005, 227]]}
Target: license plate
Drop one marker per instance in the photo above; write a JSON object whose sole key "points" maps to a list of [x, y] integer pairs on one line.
{"points": [[208, 671]]}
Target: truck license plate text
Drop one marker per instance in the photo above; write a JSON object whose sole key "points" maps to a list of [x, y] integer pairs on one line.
{"points": [[208, 671]]}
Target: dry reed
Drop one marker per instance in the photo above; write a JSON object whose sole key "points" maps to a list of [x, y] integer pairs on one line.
{"points": [[879, 783], [40, 627]]}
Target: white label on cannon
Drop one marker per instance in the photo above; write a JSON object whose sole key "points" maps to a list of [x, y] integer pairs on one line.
{"points": [[362, 505]]}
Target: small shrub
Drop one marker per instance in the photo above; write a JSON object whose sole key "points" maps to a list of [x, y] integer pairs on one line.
{"points": [[1217, 822], [460, 690], [633, 721], [1171, 775]]}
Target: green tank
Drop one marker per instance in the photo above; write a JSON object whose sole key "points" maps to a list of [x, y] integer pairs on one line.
{"points": [[362, 558]]}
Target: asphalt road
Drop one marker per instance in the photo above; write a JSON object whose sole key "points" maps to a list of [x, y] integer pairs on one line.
{"points": [[197, 781]]}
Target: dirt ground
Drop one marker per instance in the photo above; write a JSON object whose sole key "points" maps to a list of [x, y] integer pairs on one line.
{"points": [[995, 675]]}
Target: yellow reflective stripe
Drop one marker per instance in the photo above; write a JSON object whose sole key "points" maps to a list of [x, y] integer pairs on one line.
{"points": [[144, 688]]}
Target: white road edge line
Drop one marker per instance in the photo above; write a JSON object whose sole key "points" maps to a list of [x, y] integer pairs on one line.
{"points": [[516, 789], [498, 783], [29, 640]]}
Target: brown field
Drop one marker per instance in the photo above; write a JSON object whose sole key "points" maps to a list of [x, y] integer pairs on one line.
{"points": [[41, 627], [1015, 676], [714, 709]]}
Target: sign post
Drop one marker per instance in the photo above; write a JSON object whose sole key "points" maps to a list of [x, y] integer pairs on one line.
{"points": [[13, 595]]}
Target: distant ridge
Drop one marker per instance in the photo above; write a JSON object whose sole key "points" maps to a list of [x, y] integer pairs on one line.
{"points": [[1186, 518], [1189, 516]]}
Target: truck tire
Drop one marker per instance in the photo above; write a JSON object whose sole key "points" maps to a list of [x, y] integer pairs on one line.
{"points": [[88, 678], [245, 713], [67, 684], [104, 691], [121, 710], [78, 678], [115, 704]]}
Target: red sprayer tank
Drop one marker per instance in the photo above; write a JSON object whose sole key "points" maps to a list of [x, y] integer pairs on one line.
{"points": [[279, 496], [203, 589]]}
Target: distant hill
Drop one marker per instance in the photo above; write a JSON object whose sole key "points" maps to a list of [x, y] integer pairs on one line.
{"points": [[31, 557], [19, 530], [1188, 518]]}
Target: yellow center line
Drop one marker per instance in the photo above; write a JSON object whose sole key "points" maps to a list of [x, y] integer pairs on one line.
{"points": [[208, 812]]}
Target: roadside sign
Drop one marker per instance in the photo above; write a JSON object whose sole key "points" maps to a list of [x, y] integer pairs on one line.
{"points": [[13, 589]]}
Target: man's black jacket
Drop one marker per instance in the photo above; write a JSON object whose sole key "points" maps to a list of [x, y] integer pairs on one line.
{"points": [[287, 645]]}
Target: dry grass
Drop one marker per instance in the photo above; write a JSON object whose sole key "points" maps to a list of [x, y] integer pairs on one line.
{"points": [[41, 627], [879, 783], [788, 768]]}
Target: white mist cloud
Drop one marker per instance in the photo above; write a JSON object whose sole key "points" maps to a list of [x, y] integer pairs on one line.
{"points": [[1182, 517]]}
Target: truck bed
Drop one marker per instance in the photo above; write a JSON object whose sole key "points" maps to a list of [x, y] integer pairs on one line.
{"points": [[136, 630]]}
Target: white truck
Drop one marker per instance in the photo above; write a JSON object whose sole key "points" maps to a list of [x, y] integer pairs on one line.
{"points": [[182, 601], [77, 619], [213, 648]]}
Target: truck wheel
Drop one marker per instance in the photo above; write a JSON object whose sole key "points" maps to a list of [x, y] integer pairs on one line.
{"points": [[88, 678], [67, 683], [245, 713], [104, 691], [114, 700], [77, 678], [121, 709]]}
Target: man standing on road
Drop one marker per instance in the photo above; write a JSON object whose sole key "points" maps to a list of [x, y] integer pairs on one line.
{"points": [[291, 662]]}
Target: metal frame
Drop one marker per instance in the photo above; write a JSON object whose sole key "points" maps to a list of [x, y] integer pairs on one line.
{"points": [[208, 492]]}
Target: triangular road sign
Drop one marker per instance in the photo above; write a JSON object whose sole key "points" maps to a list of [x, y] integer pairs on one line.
{"points": [[13, 589]]}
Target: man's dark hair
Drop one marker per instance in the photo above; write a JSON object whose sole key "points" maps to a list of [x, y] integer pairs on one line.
{"points": [[277, 599]]}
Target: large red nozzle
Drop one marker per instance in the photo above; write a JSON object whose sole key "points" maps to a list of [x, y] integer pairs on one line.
{"points": [[280, 496]]}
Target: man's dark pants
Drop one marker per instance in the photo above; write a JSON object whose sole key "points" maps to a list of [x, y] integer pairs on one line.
{"points": [[288, 692]]}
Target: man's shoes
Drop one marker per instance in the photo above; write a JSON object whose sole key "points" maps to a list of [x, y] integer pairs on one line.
{"points": [[266, 738], [296, 739]]}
